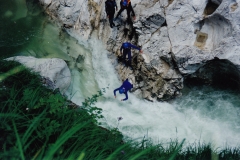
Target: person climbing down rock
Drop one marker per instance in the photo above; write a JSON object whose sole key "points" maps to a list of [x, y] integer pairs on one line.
{"points": [[110, 10], [126, 50], [125, 87], [126, 4]]}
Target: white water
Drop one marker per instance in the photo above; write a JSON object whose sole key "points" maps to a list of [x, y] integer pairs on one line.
{"points": [[196, 117], [201, 115]]}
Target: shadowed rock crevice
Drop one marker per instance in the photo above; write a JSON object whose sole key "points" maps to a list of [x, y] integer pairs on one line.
{"points": [[164, 24], [219, 73], [170, 2], [211, 6]]}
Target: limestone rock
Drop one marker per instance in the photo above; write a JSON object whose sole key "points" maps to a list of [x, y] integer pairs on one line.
{"points": [[178, 37], [46, 2], [150, 19], [53, 69], [202, 30]]}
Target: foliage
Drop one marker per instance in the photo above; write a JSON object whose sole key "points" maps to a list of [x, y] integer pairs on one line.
{"points": [[94, 112], [38, 123]]}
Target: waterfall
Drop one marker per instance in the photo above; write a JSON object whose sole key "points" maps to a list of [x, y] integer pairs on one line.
{"points": [[202, 115]]}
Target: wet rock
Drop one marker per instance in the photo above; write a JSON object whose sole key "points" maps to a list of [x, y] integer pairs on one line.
{"points": [[177, 37], [54, 71], [217, 72]]}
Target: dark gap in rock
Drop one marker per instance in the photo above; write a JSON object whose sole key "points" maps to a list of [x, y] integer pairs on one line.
{"points": [[135, 62], [68, 63], [165, 97], [80, 69], [174, 63], [131, 35], [170, 2], [120, 59], [80, 59], [201, 24], [168, 60], [220, 73], [153, 95], [164, 24], [211, 7], [139, 78], [136, 36], [125, 30]]}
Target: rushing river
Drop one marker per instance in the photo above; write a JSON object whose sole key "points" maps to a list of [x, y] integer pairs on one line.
{"points": [[202, 114]]}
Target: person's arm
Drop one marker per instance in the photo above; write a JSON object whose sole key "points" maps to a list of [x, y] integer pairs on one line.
{"points": [[115, 5], [135, 47], [114, 92], [106, 8], [126, 94], [120, 3], [121, 49]]}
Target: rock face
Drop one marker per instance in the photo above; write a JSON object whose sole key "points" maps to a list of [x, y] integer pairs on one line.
{"points": [[202, 30], [217, 72], [53, 69], [177, 37]]}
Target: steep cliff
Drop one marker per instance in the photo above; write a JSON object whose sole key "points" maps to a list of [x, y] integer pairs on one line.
{"points": [[177, 37]]}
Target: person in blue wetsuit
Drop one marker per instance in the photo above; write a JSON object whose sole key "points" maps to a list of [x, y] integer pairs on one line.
{"points": [[126, 50], [126, 4], [125, 87], [110, 6]]}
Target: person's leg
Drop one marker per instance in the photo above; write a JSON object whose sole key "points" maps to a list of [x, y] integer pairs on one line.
{"points": [[119, 12], [129, 59], [124, 57], [128, 15], [131, 9], [111, 16], [110, 21]]}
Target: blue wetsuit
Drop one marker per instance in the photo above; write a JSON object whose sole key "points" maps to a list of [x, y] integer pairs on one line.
{"points": [[126, 86], [110, 6], [126, 47], [129, 9]]}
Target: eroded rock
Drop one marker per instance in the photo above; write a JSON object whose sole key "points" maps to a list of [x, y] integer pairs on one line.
{"points": [[217, 72], [177, 36], [55, 70]]}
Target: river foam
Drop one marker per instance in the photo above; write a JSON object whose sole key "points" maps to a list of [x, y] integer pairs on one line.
{"points": [[197, 117]]}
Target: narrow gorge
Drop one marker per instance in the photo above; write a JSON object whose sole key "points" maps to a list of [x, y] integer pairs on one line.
{"points": [[186, 82]]}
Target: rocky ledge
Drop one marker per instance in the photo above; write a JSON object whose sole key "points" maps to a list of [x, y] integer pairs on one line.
{"points": [[178, 37], [54, 71]]}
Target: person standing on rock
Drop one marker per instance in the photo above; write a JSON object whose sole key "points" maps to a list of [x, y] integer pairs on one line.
{"points": [[125, 87], [126, 4], [126, 50], [110, 10]]}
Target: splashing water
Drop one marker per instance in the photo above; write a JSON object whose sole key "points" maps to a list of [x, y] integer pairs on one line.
{"points": [[203, 115]]}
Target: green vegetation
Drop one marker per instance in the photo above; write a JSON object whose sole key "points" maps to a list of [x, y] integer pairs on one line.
{"points": [[38, 123]]}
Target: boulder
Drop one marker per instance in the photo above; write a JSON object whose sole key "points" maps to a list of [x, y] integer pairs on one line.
{"points": [[53, 69]]}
